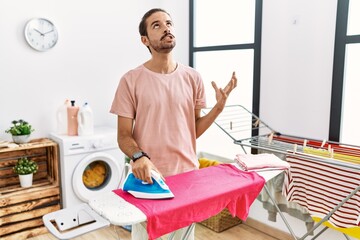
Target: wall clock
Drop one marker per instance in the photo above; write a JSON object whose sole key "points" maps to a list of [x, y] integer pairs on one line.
{"points": [[41, 34]]}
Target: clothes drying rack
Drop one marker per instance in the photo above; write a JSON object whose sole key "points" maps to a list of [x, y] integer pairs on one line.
{"points": [[252, 134]]}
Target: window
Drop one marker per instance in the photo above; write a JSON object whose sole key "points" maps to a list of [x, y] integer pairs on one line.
{"points": [[346, 87], [225, 36]]}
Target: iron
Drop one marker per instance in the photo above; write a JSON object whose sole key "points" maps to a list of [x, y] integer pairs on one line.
{"points": [[141, 189]]}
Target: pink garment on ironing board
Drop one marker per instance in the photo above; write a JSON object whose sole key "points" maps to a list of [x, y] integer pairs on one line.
{"points": [[199, 194]]}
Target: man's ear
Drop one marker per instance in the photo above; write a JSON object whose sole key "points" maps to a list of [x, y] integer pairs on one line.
{"points": [[145, 41]]}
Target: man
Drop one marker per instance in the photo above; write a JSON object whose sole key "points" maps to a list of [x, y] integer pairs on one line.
{"points": [[158, 105]]}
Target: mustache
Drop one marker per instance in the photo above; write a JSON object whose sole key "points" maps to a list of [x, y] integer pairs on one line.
{"points": [[167, 34]]}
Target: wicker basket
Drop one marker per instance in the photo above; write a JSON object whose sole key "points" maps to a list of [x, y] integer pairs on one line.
{"points": [[221, 221]]}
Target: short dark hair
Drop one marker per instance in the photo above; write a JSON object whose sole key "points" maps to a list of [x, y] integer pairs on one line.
{"points": [[142, 25]]}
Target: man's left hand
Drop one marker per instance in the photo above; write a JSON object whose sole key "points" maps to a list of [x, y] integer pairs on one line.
{"points": [[223, 94]]}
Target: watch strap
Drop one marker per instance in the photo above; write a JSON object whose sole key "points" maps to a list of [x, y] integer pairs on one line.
{"points": [[140, 155]]}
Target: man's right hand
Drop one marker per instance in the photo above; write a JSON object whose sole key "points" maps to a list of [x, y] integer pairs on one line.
{"points": [[141, 169]]}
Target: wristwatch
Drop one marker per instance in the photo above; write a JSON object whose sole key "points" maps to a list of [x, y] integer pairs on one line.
{"points": [[139, 155]]}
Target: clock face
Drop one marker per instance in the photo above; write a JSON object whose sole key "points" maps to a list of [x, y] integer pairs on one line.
{"points": [[41, 34]]}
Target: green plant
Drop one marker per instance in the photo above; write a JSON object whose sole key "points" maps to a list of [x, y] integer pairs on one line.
{"points": [[25, 166], [20, 127]]}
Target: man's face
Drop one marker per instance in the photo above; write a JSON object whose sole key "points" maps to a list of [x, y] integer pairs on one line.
{"points": [[160, 31]]}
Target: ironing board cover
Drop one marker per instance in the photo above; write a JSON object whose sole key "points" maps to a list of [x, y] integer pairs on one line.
{"points": [[199, 194]]}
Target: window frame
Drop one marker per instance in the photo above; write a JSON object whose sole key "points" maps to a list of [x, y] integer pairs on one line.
{"points": [[341, 41], [256, 46]]}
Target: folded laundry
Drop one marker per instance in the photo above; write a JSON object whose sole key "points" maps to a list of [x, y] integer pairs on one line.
{"points": [[250, 162]]}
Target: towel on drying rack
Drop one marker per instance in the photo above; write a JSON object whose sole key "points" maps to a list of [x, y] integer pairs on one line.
{"points": [[349, 156], [275, 186], [263, 161], [319, 186]]}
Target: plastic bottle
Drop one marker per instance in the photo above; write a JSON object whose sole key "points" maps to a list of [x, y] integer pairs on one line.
{"points": [[61, 118], [72, 114], [85, 120]]}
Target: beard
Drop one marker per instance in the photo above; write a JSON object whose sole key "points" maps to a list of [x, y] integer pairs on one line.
{"points": [[163, 46]]}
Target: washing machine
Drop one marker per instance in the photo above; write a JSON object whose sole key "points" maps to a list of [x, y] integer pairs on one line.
{"points": [[89, 165]]}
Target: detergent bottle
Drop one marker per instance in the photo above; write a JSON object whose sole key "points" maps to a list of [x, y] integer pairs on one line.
{"points": [[72, 114], [61, 118], [85, 120]]}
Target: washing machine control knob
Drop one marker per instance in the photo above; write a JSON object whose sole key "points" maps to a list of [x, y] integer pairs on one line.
{"points": [[97, 144]]}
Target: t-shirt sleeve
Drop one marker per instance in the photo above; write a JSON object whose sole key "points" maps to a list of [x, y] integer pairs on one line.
{"points": [[200, 101], [123, 103]]}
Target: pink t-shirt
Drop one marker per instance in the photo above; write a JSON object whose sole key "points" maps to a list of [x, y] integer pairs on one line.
{"points": [[163, 107]]}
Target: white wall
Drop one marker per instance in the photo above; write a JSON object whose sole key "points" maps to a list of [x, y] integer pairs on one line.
{"points": [[98, 42], [296, 69]]}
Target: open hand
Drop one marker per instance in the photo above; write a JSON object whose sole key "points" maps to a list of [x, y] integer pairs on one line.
{"points": [[222, 94]]}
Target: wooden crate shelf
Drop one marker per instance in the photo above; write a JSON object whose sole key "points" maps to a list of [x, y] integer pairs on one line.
{"points": [[21, 209]]}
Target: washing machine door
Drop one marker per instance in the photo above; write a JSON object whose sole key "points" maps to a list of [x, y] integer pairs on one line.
{"points": [[95, 174]]}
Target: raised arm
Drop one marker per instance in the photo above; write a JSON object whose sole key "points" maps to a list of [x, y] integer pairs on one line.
{"points": [[204, 122]]}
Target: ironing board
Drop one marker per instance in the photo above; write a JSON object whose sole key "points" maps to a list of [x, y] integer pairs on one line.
{"points": [[103, 210]]}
